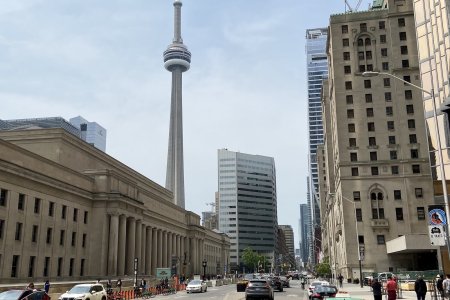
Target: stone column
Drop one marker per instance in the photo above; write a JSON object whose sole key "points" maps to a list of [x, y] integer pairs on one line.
{"points": [[143, 245], [164, 250], [113, 243], [148, 251], [169, 249], [154, 251], [159, 263], [179, 254], [122, 245], [194, 255], [138, 243], [131, 236]]}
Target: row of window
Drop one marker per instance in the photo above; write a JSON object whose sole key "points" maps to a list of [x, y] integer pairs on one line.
{"points": [[21, 204], [392, 155], [391, 140], [16, 261], [379, 195], [378, 213], [387, 97], [390, 126], [368, 82], [401, 22], [389, 111], [415, 169]]}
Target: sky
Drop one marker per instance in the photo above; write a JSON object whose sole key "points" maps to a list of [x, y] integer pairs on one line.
{"points": [[102, 59]]}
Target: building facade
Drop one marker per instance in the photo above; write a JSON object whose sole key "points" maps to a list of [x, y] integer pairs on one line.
{"points": [[317, 67], [91, 132], [304, 232], [289, 237], [376, 148], [69, 211], [247, 203]]}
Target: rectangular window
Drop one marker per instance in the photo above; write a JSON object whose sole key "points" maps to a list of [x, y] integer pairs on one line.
{"points": [[355, 171], [51, 208], [374, 213], [399, 213], [387, 96], [46, 266], [384, 52], [75, 214], [63, 212], [2, 228], [71, 267], [401, 22], [416, 169], [410, 109], [371, 126], [347, 69], [381, 213], [348, 85], [363, 26], [346, 55], [419, 193], [374, 170], [361, 55], [351, 127], [383, 39], [414, 153], [367, 84], [421, 213], [60, 264], [352, 142], [353, 156], [389, 111], [37, 205], [83, 241], [407, 78], [74, 238], [380, 239], [3, 196], [362, 68], [397, 194], [368, 54], [21, 202], [402, 36], [344, 28], [350, 113], [62, 235], [408, 94], [411, 124], [413, 139], [390, 125], [394, 170], [386, 82], [369, 67], [82, 267], [372, 141], [369, 112], [360, 239], [358, 215], [392, 140], [349, 99], [385, 66], [34, 233], [356, 196], [373, 155], [15, 265], [345, 42], [48, 239], [404, 50], [18, 235], [31, 266], [393, 154], [405, 63], [382, 25], [368, 98], [85, 220]]}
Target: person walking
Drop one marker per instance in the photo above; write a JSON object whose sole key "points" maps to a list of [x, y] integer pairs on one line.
{"points": [[377, 290], [446, 286], [440, 285], [340, 279], [420, 287], [391, 288], [46, 286], [119, 284]]}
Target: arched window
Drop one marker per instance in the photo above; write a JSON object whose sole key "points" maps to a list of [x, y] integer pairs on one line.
{"points": [[360, 42], [368, 42], [373, 196], [380, 196]]}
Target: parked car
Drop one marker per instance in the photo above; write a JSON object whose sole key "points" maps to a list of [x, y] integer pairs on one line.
{"points": [[322, 291], [24, 295], [258, 288], [313, 285], [275, 283], [285, 281], [87, 291], [196, 285], [383, 276]]}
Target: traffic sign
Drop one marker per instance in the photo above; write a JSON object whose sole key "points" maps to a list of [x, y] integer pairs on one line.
{"points": [[437, 235], [437, 217]]}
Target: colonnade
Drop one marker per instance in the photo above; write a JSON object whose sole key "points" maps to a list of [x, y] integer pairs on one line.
{"points": [[131, 238]]}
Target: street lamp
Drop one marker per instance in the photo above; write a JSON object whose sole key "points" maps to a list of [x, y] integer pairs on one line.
{"points": [[438, 142], [204, 263]]}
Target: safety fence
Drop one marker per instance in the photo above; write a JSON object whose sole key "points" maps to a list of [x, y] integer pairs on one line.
{"points": [[148, 293]]}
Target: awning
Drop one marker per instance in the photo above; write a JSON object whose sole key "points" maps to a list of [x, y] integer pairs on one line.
{"points": [[409, 244]]}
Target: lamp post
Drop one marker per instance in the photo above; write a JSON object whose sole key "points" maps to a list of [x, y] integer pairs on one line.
{"points": [[438, 142], [204, 263]]}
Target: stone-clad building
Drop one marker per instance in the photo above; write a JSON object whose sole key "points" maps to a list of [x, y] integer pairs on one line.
{"points": [[70, 211]]}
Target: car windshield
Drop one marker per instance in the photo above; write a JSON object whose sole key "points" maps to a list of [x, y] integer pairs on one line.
{"points": [[258, 283], [195, 282], [8, 295], [316, 283], [248, 276], [326, 289], [80, 289]]}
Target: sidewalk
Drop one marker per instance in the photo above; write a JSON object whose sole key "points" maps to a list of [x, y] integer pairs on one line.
{"points": [[365, 292]]}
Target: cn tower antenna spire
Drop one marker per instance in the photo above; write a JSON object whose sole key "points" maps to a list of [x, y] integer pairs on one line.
{"points": [[177, 59]]}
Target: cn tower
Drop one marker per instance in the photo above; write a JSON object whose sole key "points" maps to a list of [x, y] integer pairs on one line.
{"points": [[177, 59]]}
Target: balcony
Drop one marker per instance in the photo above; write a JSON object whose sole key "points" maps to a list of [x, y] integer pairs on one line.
{"points": [[379, 223]]}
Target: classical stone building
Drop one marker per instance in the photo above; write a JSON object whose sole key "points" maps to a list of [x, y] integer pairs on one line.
{"points": [[375, 179], [70, 211]]}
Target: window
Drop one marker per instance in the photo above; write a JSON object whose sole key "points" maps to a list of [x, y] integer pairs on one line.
{"points": [[356, 196], [388, 97], [345, 42], [74, 238], [346, 55], [367, 42], [18, 235], [416, 169], [2, 228], [3, 196], [397, 195], [383, 39], [352, 142], [374, 170], [371, 126], [390, 125], [358, 215], [404, 50], [387, 82], [355, 171], [349, 99], [421, 213], [367, 84], [399, 213], [389, 111], [37, 205], [385, 66], [418, 192], [408, 94], [71, 267], [75, 214], [378, 213], [15, 265], [348, 85], [394, 170], [369, 67], [46, 266], [384, 52], [344, 28], [353, 156], [64, 212], [21, 202], [49, 236], [369, 112], [392, 140], [402, 36], [31, 266], [362, 68], [351, 127], [369, 98], [393, 154], [83, 241], [360, 239], [372, 141], [405, 63], [401, 22], [373, 155], [51, 208], [413, 139], [411, 124], [407, 78], [347, 69], [414, 153], [363, 26], [360, 42], [34, 233], [410, 109], [82, 267], [350, 113], [382, 25], [60, 264], [62, 235], [380, 239], [368, 54], [361, 55]]}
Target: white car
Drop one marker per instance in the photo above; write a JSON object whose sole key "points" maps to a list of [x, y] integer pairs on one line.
{"points": [[87, 291], [313, 285], [196, 286]]}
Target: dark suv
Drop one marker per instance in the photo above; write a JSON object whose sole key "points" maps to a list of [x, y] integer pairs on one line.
{"points": [[258, 288]]}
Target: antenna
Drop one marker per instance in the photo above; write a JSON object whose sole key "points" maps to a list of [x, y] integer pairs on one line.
{"points": [[213, 206], [350, 8]]}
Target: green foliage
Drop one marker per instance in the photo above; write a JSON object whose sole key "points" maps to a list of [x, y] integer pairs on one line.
{"points": [[323, 269], [253, 261]]}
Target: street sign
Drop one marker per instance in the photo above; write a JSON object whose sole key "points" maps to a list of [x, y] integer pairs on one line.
{"points": [[361, 252], [437, 235], [437, 217]]}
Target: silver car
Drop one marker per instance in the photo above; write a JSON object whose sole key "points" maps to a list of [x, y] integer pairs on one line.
{"points": [[196, 285], [87, 291]]}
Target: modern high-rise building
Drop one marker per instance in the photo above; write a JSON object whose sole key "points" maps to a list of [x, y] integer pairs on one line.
{"points": [[289, 237], [376, 209], [304, 232], [177, 59], [432, 31], [91, 132], [247, 203], [317, 67]]}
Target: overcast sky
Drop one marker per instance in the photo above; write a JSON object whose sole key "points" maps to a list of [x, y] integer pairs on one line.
{"points": [[102, 59]]}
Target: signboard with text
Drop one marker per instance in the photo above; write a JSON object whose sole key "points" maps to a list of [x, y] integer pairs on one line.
{"points": [[437, 220], [162, 273]]}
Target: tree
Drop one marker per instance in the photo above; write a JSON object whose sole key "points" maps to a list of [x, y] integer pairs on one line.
{"points": [[323, 269], [250, 258]]}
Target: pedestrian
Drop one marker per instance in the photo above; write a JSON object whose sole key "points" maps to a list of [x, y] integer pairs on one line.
{"points": [[119, 284], [446, 286], [30, 286], [420, 287], [109, 287], [47, 286], [391, 288], [341, 279], [440, 285], [377, 290]]}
